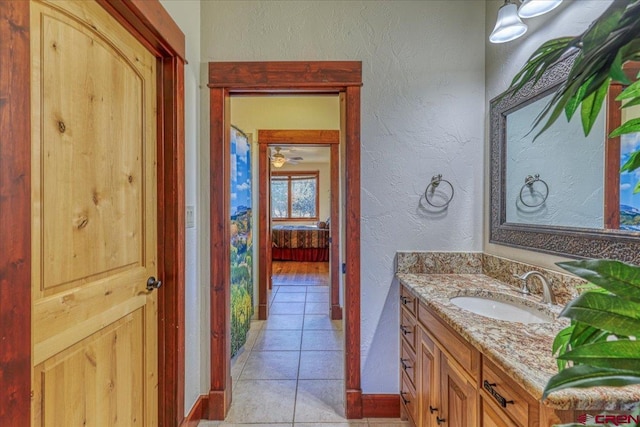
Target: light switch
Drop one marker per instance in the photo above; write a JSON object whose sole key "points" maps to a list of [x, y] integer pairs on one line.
{"points": [[190, 217]]}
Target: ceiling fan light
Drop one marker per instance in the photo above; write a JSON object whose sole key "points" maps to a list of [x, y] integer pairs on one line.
{"points": [[508, 26], [532, 8], [278, 161]]}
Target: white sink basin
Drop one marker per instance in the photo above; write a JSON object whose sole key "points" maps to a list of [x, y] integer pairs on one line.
{"points": [[501, 310]]}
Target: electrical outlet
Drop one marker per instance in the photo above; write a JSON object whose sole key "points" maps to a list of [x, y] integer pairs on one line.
{"points": [[190, 217]]}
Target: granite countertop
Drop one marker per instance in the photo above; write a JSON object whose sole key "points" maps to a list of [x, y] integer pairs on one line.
{"points": [[523, 351]]}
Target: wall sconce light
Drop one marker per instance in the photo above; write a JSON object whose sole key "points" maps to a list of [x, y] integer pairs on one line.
{"points": [[509, 26]]}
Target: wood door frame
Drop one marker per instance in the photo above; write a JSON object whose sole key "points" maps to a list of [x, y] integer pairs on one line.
{"points": [[325, 138], [297, 77], [149, 22]]}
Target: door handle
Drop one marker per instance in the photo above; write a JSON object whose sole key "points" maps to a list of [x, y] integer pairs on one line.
{"points": [[152, 283]]}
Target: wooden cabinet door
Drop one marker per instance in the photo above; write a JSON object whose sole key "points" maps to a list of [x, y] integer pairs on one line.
{"points": [[429, 380], [458, 397], [493, 416], [94, 220]]}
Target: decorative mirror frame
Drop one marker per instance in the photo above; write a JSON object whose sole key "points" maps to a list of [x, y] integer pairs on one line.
{"points": [[571, 242]]}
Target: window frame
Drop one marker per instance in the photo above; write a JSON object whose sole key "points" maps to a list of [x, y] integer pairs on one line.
{"points": [[290, 174]]}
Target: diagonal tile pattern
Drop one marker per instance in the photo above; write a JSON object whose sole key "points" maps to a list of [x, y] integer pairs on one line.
{"points": [[290, 372]]}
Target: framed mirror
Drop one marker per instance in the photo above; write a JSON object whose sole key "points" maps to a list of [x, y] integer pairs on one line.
{"points": [[561, 193]]}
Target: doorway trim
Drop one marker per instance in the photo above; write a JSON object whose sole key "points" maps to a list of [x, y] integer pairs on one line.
{"points": [[150, 23], [322, 138], [297, 77]]}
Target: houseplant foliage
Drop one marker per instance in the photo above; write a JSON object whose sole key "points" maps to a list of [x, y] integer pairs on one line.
{"points": [[602, 50], [599, 348], [605, 319]]}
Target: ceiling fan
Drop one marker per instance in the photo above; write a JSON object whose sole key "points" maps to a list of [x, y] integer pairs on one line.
{"points": [[278, 159]]}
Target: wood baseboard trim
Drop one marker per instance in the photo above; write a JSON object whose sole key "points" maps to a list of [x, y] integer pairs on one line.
{"points": [[353, 404], [197, 413], [218, 404], [262, 312], [336, 312], [381, 406]]}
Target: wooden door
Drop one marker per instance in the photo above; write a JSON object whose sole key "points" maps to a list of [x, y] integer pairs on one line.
{"points": [[457, 397], [94, 220]]}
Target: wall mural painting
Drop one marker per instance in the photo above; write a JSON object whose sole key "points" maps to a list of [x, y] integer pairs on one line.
{"points": [[629, 185], [241, 240]]}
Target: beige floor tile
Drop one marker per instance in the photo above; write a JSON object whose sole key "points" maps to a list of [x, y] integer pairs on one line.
{"points": [[323, 288], [358, 423], [374, 422], [278, 340], [321, 321], [237, 363], [262, 401], [284, 321], [291, 297], [322, 340], [271, 365], [320, 401], [317, 308], [287, 308], [292, 288], [318, 297], [321, 365]]}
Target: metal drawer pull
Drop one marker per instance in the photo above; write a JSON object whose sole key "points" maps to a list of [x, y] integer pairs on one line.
{"points": [[440, 420], [404, 365], [405, 330], [405, 401], [432, 409], [501, 400], [405, 300]]}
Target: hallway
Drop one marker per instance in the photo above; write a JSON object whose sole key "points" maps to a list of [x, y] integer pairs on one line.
{"points": [[290, 371]]}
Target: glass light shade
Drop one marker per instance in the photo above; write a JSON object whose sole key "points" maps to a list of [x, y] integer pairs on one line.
{"points": [[509, 26], [278, 161], [531, 8]]}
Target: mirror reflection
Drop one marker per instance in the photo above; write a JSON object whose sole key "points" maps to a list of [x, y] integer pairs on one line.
{"points": [[562, 178]]}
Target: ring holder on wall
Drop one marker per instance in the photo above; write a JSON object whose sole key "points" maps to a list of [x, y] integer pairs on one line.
{"points": [[430, 191], [529, 182]]}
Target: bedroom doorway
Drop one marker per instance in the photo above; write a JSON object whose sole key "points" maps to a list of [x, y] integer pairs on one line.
{"points": [[227, 79]]}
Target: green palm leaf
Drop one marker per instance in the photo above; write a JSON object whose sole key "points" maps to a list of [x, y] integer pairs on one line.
{"points": [[582, 376], [621, 354], [615, 276], [605, 311]]}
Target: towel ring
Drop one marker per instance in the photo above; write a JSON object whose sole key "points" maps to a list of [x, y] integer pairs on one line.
{"points": [[436, 180], [528, 183]]}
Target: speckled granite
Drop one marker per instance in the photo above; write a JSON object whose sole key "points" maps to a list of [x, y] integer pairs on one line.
{"points": [[564, 285], [439, 262], [502, 269], [523, 351]]}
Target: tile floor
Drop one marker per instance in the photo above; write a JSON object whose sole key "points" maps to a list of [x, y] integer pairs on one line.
{"points": [[290, 372]]}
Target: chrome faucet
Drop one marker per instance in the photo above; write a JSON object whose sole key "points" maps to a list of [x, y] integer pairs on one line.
{"points": [[547, 291]]}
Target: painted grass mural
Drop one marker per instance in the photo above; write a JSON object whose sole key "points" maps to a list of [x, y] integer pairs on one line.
{"points": [[241, 240]]}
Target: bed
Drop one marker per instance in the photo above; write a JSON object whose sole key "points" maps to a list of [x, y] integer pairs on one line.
{"points": [[299, 243]]}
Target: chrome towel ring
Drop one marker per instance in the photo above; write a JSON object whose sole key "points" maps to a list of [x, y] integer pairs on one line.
{"points": [[429, 192], [528, 183]]}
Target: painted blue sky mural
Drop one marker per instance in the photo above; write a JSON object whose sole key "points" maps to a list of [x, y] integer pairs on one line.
{"points": [[629, 202], [240, 172]]}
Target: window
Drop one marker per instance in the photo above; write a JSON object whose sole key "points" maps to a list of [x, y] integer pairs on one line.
{"points": [[294, 196]]}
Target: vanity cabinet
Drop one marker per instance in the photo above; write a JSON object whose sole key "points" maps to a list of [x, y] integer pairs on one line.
{"points": [[446, 382]]}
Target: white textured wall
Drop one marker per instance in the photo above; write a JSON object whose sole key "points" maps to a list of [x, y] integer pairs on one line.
{"points": [[503, 61], [186, 13], [423, 106]]}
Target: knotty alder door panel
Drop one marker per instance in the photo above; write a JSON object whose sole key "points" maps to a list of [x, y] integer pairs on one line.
{"points": [[94, 222]]}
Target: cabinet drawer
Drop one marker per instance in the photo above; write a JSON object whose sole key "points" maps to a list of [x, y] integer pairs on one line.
{"points": [[408, 329], [409, 399], [492, 415], [463, 352], [408, 362], [508, 397], [407, 300]]}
